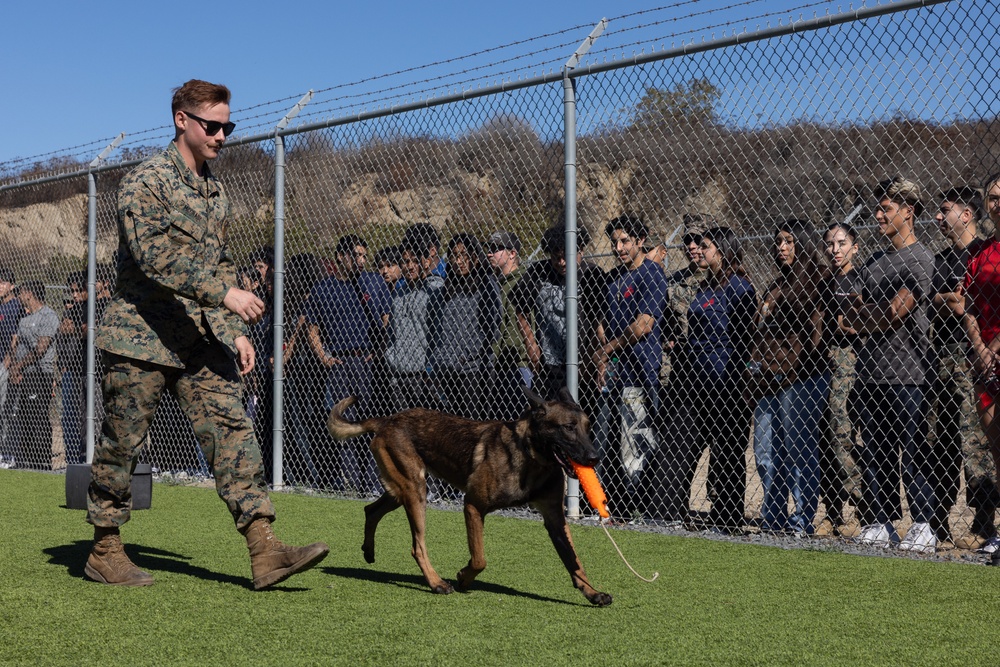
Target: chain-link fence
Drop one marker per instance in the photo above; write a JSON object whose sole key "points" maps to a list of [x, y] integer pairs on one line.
{"points": [[749, 357]]}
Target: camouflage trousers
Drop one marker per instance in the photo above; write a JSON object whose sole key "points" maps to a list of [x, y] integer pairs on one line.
{"points": [[208, 390], [957, 438], [840, 474]]}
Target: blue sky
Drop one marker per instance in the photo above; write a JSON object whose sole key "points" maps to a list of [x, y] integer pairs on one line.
{"points": [[78, 73]]}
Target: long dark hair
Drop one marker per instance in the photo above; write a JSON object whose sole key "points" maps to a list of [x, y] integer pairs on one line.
{"points": [[302, 272], [801, 281], [479, 268], [730, 249]]}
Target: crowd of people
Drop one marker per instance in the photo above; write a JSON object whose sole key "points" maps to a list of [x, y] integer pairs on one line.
{"points": [[43, 353], [867, 387]]}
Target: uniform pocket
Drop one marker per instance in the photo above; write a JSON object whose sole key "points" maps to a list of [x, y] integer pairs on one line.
{"points": [[185, 230]]}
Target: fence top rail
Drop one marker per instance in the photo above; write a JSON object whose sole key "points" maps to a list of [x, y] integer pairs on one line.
{"points": [[805, 25]]}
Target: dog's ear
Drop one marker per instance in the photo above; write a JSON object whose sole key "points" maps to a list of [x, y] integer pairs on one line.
{"points": [[534, 399], [565, 396]]}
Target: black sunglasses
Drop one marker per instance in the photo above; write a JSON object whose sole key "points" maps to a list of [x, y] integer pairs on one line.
{"points": [[212, 127]]}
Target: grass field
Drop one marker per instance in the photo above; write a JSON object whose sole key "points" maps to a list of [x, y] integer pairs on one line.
{"points": [[715, 603]]}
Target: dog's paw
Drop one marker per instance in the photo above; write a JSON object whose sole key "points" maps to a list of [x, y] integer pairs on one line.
{"points": [[465, 577], [444, 588], [600, 599], [369, 553]]}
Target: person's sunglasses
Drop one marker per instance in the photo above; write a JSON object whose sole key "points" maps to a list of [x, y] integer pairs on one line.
{"points": [[212, 127]]}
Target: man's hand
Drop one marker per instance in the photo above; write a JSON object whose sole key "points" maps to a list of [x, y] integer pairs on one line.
{"points": [[330, 362], [600, 361], [984, 361], [245, 304], [246, 357], [15, 373]]}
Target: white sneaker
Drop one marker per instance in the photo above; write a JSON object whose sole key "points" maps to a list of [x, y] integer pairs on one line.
{"points": [[991, 546], [874, 535], [879, 535], [920, 538]]}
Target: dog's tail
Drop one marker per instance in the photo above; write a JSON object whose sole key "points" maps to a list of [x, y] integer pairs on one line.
{"points": [[341, 429]]}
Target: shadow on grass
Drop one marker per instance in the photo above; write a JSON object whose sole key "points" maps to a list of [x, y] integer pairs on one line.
{"points": [[74, 556], [416, 582]]}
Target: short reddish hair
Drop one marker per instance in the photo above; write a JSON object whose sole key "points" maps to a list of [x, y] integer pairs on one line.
{"points": [[195, 93]]}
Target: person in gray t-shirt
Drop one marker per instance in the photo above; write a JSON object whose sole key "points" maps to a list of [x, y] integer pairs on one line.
{"points": [[408, 335], [899, 354], [894, 366], [32, 373]]}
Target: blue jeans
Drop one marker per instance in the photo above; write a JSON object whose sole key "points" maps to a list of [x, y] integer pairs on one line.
{"points": [[786, 446], [893, 422]]}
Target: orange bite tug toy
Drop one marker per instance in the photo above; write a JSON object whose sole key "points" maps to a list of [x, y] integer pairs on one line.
{"points": [[592, 489]]}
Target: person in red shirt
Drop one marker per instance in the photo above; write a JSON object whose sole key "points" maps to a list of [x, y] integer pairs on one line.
{"points": [[982, 321]]}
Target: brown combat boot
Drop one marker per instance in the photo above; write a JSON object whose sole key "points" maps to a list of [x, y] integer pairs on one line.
{"points": [[825, 528], [850, 529], [271, 561], [108, 563]]}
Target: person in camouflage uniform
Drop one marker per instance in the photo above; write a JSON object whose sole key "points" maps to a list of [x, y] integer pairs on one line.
{"points": [[669, 493], [957, 437], [840, 475], [178, 322]]}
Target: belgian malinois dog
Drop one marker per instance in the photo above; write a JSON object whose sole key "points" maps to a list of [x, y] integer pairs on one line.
{"points": [[497, 465]]}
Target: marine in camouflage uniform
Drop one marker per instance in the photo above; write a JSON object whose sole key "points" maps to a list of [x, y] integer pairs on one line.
{"points": [[668, 494], [955, 433], [166, 328], [177, 323], [682, 286]]}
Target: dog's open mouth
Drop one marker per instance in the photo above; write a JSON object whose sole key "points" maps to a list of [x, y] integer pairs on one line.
{"points": [[565, 465]]}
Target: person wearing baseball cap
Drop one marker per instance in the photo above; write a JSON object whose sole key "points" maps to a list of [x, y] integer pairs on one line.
{"points": [[510, 357], [680, 440]]}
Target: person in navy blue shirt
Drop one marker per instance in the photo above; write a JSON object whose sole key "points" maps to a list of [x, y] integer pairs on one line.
{"points": [[628, 359], [346, 314], [720, 331]]}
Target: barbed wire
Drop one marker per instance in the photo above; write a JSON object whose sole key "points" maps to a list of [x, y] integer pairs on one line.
{"points": [[562, 48], [458, 79], [595, 55], [407, 88], [61, 152]]}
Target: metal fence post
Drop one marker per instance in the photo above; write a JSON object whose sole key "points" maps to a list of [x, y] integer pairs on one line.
{"points": [[279, 291], [572, 291], [92, 293]]}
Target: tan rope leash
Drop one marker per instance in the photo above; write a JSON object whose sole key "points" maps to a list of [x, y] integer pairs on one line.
{"points": [[604, 525]]}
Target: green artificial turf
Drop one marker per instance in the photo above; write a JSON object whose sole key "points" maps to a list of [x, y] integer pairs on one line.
{"points": [[714, 603]]}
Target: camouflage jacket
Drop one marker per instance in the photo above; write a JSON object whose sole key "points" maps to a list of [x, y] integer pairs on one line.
{"points": [[682, 286], [174, 268]]}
